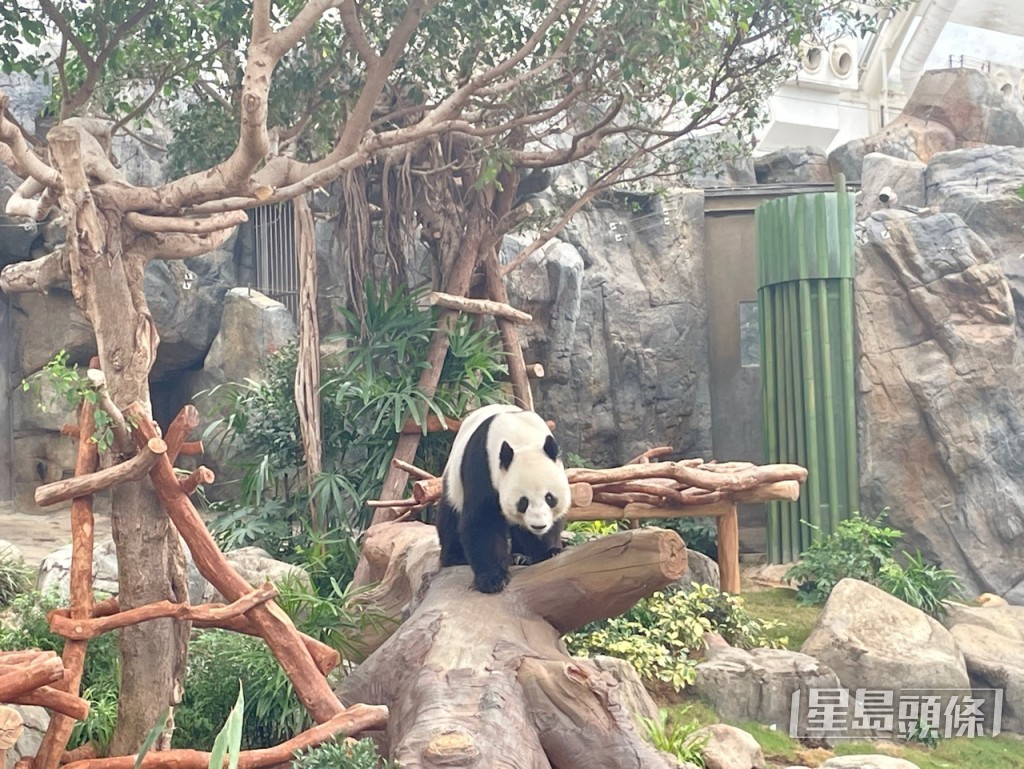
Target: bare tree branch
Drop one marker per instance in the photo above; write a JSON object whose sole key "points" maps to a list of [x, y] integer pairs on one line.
{"points": [[26, 159], [176, 245], [168, 224]]}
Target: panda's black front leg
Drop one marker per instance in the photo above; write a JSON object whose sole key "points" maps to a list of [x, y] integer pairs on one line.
{"points": [[485, 543]]}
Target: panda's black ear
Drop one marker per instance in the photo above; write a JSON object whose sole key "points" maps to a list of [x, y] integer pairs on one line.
{"points": [[551, 448], [505, 456]]}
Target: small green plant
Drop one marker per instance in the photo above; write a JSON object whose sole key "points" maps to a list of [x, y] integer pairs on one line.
{"points": [[661, 634], [859, 548], [15, 576], [344, 754], [673, 734], [865, 550], [584, 531], [27, 628], [74, 388], [922, 585], [925, 733]]}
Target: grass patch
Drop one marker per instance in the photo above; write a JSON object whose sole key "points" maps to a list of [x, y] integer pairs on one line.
{"points": [[780, 604], [1004, 752]]}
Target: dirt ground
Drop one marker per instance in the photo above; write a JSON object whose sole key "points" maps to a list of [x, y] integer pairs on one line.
{"points": [[38, 532]]}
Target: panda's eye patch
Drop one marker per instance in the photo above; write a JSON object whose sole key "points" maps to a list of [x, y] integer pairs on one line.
{"points": [[522, 504], [550, 499]]}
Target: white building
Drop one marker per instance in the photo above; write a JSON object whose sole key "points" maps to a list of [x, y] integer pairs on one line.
{"points": [[854, 87]]}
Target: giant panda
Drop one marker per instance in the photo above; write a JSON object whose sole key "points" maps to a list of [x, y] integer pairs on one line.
{"points": [[504, 492]]}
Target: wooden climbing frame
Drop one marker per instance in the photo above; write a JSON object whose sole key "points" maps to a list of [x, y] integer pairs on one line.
{"points": [[42, 678]]}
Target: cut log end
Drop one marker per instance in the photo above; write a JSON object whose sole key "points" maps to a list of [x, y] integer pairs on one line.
{"points": [[453, 748], [673, 555]]}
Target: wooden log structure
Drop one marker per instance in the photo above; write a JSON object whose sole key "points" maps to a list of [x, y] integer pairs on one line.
{"points": [[645, 489], [452, 702], [101, 480], [353, 720], [210, 614], [478, 306], [271, 622], [67, 707]]}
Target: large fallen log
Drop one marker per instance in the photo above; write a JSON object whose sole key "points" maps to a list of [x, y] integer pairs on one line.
{"points": [[476, 680]]}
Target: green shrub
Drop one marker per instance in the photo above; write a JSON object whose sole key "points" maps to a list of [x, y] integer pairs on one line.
{"points": [[15, 577], [28, 629], [676, 736], [370, 390], [218, 660], [859, 548], [864, 550], [347, 754], [660, 635], [921, 584]]}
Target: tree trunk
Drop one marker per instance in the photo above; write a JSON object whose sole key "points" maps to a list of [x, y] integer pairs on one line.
{"points": [[106, 280], [476, 680]]}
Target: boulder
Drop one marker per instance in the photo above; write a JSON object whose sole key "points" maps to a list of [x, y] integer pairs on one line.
{"points": [[868, 762], [46, 323], [11, 553], [903, 182], [875, 641], [728, 747], [35, 721], [700, 569], [758, 685], [981, 186], [253, 564], [620, 320], [252, 326], [793, 165], [185, 299], [906, 138], [992, 642], [940, 401], [55, 569], [970, 103]]}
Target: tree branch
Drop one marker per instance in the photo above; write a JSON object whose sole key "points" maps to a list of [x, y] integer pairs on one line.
{"points": [[195, 226]]}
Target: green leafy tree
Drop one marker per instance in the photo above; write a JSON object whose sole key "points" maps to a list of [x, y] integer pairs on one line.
{"points": [[427, 113]]}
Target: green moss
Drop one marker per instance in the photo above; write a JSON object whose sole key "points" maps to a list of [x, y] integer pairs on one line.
{"points": [[780, 604]]}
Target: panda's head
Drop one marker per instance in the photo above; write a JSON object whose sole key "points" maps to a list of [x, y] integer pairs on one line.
{"points": [[533, 491]]}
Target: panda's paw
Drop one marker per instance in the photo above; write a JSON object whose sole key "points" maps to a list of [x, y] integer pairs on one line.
{"points": [[552, 552], [518, 559], [491, 582]]}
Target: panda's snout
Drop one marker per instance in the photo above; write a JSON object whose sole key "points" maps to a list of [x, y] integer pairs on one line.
{"points": [[540, 528]]}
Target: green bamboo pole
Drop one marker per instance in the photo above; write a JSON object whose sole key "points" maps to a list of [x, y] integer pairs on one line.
{"points": [[829, 411], [799, 432], [808, 249], [846, 285], [766, 317], [788, 405]]}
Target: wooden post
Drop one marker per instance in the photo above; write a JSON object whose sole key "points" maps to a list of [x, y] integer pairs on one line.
{"points": [[728, 526], [58, 732], [274, 626]]}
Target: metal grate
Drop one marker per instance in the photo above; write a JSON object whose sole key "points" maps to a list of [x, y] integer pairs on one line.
{"points": [[276, 268]]}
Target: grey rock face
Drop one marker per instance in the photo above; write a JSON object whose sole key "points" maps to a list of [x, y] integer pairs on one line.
{"points": [[992, 641], [968, 102], [253, 564], [185, 300], [758, 685], [793, 164], [35, 721], [941, 401], [872, 640], [699, 569], [252, 327], [884, 174], [906, 138], [620, 325]]}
